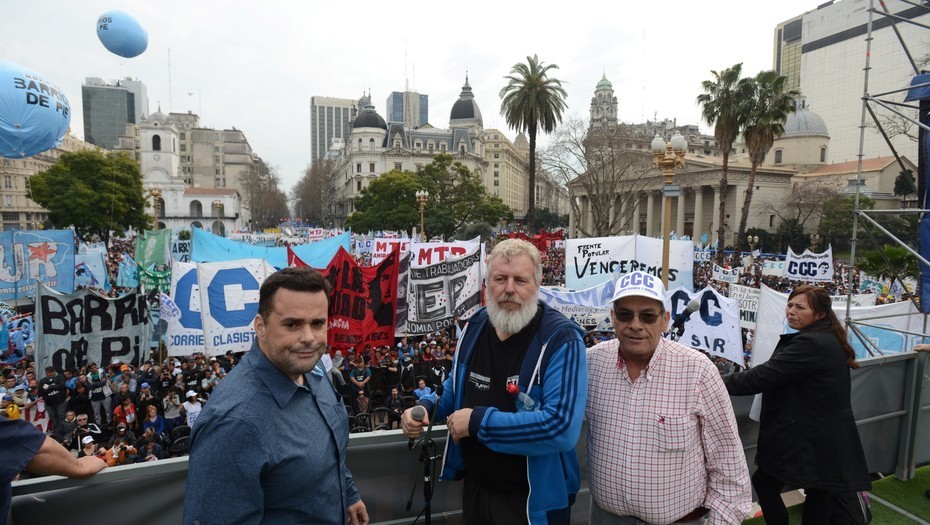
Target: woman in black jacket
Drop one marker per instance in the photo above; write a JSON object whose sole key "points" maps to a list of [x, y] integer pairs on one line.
{"points": [[807, 436], [80, 400]]}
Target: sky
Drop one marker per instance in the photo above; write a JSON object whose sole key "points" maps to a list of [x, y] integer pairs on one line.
{"points": [[254, 65]]}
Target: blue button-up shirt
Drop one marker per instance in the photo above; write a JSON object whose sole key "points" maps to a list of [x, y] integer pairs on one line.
{"points": [[266, 450]]}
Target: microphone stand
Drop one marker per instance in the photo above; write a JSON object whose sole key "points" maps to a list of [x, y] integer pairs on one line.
{"points": [[428, 458]]}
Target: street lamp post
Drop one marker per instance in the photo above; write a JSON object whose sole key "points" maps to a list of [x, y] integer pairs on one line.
{"points": [[422, 198], [217, 204], [752, 240], [155, 194], [667, 157]]}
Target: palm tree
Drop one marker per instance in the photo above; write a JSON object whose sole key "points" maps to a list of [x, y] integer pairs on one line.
{"points": [[722, 108], [532, 100], [766, 112]]}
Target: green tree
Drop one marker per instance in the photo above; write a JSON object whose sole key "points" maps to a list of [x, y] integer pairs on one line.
{"points": [[387, 203], [765, 114], [93, 191], [532, 100], [836, 221], [885, 262], [457, 198], [721, 107], [550, 220], [267, 203], [904, 185]]}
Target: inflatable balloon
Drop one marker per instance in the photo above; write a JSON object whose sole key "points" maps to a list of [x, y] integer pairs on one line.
{"points": [[121, 34], [34, 113]]}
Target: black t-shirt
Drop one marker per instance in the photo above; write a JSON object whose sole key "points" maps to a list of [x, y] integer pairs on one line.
{"points": [[493, 364]]}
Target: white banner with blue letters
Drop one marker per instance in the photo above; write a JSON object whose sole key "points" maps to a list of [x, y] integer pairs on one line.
{"points": [[809, 266]]}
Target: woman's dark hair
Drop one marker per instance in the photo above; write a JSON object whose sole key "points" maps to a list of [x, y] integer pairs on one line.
{"points": [[820, 303]]}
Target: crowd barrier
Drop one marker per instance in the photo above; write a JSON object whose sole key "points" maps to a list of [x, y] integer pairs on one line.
{"points": [[891, 401]]}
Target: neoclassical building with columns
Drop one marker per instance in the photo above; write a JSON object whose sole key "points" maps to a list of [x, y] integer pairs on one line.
{"points": [[800, 155]]}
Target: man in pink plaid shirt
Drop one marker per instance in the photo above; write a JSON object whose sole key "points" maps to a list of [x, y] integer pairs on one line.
{"points": [[663, 445]]}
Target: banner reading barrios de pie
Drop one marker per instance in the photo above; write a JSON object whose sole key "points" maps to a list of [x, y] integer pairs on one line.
{"points": [[75, 329], [440, 292]]}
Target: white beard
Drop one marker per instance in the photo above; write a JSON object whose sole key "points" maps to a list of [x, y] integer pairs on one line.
{"points": [[511, 322]]}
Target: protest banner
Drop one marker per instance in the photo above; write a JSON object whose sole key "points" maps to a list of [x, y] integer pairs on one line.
{"points": [[90, 271], [714, 327], [888, 321], [773, 268], [748, 299], [809, 266], [181, 251], [588, 307], [184, 335], [28, 257], [153, 248], [207, 247], [74, 329], [592, 261], [229, 303], [725, 275], [440, 292], [362, 301]]}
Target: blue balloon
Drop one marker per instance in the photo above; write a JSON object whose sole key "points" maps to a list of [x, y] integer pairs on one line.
{"points": [[122, 34], [34, 113]]}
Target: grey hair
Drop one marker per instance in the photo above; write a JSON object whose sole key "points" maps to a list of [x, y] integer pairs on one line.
{"points": [[510, 248]]}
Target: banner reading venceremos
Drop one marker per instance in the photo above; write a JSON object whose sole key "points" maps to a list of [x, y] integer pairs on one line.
{"points": [[593, 261], [438, 293], [74, 329]]}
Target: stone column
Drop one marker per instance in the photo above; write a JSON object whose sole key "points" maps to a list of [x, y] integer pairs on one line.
{"points": [[698, 213], [680, 222], [650, 204]]}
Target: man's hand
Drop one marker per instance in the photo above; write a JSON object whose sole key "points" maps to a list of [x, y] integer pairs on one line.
{"points": [[412, 427], [358, 514], [458, 424], [923, 347]]}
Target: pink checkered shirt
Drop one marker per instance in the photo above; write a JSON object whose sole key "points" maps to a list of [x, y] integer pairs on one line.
{"points": [[667, 444]]}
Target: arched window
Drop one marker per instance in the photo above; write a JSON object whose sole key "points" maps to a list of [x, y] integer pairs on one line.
{"points": [[156, 142], [823, 154], [196, 209], [778, 156], [371, 144]]}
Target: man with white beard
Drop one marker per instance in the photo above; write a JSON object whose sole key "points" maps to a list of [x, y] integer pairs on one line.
{"points": [[515, 400]]}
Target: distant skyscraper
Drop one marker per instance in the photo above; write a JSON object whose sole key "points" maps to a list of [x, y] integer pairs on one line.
{"points": [[108, 107], [329, 118], [408, 107]]}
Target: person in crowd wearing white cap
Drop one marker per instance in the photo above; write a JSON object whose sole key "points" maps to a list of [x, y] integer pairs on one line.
{"points": [[514, 401], [88, 447], [663, 445], [273, 439], [191, 407]]}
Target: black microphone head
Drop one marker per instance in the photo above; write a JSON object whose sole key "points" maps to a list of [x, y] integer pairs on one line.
{"points": [[418, 412]]}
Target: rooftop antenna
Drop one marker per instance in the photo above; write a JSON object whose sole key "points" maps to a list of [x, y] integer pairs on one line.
{"points": [[170, 106]]}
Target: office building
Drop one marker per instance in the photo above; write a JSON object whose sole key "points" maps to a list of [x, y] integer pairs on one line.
{"points": [[822, 53], [108, 107], [330, 118], [407, 107]]}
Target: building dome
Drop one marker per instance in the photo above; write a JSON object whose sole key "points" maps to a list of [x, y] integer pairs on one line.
{"points": [[158, 117], [804, 123], [369, 118], [604, 84], [465, 108]]}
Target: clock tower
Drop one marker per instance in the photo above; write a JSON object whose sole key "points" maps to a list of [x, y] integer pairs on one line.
{"points": [[160, 163]]}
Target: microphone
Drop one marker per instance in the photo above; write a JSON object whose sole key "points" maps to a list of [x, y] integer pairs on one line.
{"points": [[680, 319], [417, 413]]}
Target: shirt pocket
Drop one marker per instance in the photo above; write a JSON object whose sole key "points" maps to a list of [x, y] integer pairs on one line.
{"points": [[675, 433]]}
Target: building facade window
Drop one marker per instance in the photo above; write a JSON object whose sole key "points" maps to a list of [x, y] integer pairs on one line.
{"points": [[156, 142], [823, 154], [398, 166], [778, 156], [8, 181], [371, 167], [358, 167]]}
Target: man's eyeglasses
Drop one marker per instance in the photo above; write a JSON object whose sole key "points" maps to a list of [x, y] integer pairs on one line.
{"points": [[644, 317]]}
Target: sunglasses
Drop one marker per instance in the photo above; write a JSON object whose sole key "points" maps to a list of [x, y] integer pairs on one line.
{"points": [[644, 317]]}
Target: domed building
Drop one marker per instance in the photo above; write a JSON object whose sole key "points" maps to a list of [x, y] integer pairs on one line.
{"points": [[603, 104], [805, 142], [376, 146]]}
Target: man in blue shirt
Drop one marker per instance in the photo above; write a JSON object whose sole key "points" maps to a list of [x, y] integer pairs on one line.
{"points": [[271, 442]]}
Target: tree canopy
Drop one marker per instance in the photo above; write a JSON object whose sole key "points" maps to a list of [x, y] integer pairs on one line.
{"points": [[315, 192], [457, 198], [530, 101], [267, 203], [93, 191]]}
